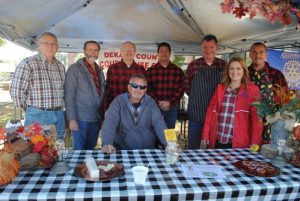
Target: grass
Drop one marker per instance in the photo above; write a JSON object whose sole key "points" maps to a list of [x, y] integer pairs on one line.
{"points": [[7, 113]]}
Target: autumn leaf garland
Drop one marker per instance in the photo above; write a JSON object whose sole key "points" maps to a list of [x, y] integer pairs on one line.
{"points": [[272, 10]]}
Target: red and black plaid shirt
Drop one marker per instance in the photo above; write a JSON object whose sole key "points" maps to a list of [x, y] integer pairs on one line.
{"points": [[117, 79], [226, 117], [94, 75], [165, 83]]}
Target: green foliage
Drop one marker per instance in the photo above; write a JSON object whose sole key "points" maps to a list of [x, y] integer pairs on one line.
{"points": [[263, 108], [178, 60], [2, 41]]}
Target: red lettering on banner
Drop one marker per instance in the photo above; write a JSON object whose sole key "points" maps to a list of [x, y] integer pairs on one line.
{"points": [[104, 64], [146, 56], [111, 54], [145, 64]]}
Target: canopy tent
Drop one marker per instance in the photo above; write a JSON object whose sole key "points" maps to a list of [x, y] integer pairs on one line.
{"points": [[182, 23]]}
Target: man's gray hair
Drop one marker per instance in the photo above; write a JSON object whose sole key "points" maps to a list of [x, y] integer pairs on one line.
{"points": [[138, 76], [38, 38], [128, 42]]}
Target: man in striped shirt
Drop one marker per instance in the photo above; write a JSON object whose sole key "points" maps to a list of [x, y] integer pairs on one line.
{"points": [[37, 85], [200, 81], [118, 74]]}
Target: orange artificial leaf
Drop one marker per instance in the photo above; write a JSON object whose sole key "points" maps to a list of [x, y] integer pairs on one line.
{"points": [[28, 134], [37, 138]]}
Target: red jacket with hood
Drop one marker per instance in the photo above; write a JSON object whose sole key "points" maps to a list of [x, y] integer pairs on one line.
{"points": [[247, 127]]}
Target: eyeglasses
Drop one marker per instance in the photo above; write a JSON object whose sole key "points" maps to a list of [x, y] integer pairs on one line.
{"points": [[48, 44], [135, 86], [128, 50]]}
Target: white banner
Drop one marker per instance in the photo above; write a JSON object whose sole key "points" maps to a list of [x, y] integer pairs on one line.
{"points": [[111, 56]]}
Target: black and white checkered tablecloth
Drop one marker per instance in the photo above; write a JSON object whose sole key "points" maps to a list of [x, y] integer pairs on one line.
{"points": [[164, 182]]}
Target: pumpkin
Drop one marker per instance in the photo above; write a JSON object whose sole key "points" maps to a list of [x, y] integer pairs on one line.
{"points": [[296, 132]]}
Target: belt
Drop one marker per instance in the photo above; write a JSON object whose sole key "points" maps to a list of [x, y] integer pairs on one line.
{"points": [[46, 109]]}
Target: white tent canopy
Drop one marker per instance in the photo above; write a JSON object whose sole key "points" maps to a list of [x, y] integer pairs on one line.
{"points": [[182, 23]]}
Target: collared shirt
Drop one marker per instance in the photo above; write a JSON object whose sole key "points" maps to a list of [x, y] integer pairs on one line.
{"points": [[135, 108], [165, 83], [117, 79], [262, 78], [226, 117], [94, 75], [38, 83], [275, 76], [200, 82]]}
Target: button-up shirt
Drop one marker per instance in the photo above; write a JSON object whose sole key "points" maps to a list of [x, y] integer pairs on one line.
{"points": [[38, 83], [94, 74], [226, 117], [165, 83]]}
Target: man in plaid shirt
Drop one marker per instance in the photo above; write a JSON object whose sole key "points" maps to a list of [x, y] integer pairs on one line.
{"points": [[37, 85], [118, 74], [165, 84], [262, 74]]}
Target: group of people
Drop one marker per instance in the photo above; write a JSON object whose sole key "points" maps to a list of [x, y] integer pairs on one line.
{"points": [[134, 106]]}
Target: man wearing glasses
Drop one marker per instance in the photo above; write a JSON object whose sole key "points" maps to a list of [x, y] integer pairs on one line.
{"points": [[266, 78], [118, 74], [133, 120], [37, 85]]}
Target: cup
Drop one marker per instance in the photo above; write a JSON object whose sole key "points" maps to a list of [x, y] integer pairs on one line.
{"points": [[140, 174]]}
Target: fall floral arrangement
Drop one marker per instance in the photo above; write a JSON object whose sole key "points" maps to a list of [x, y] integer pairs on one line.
{"points": [[11, 153], [41, 144], [283, 105]]}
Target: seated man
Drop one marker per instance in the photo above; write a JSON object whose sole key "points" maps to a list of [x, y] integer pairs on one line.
{"points": [[133, 120]]}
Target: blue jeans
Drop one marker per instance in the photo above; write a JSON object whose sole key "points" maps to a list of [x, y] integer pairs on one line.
{"points": [[43, 117], [86, 137], [194, 134], [170, 116]]}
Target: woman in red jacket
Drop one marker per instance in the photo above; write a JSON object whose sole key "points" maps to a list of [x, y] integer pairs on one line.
{"points": [[231, 120]]}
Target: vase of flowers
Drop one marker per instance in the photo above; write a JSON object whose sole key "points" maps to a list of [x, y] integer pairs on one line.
{"points": [[282, 112]]}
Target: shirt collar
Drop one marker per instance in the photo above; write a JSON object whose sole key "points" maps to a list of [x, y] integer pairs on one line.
{"points": [[135, 104], [204, 62], [132, 64], [266, 67], [44, 59]]}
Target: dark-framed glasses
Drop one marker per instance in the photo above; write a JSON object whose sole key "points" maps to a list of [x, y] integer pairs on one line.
{"points": [[135, 86]]}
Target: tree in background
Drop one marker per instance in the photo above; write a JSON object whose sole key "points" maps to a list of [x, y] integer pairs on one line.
{"points": [[62, 57], [2, 41], [178, 60]]}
